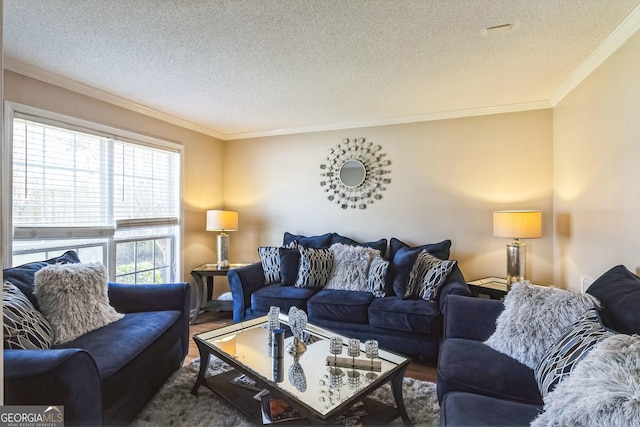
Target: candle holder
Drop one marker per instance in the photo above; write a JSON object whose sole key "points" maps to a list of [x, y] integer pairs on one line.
{"points": [[274, 318], [335, 347], [371, 351], [297, 322], [353, 378], [335, 377], [353, 349]]}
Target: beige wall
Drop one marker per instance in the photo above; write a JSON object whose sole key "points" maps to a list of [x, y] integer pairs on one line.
{"points": [[447, 177], [203, 155], [596, 170], [576, 163]]}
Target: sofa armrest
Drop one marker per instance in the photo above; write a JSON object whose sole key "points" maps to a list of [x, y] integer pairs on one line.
{"points": [[243, 281], [66, 377], [455, 285], [130, 298], [470, 318]]}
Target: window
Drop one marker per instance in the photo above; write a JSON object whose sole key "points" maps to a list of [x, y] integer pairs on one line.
{"points": [[112, 196]]}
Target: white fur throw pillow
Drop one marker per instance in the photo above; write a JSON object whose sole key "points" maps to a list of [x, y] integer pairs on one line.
{"points": [[350, 267], [602, 390], [74, 299], [533, 318]]}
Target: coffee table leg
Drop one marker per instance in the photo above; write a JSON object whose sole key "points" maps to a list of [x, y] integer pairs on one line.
{"points": [[396, 389], [204, 363]]}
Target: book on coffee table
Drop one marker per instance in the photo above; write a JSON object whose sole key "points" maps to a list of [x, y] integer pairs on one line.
{"points": [[275, 410]]}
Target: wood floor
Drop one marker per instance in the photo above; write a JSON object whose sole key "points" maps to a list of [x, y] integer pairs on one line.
{"points": [[419, 370]]}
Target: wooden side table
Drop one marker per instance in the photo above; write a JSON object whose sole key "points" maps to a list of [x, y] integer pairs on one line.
{"points": [[206, 274]]}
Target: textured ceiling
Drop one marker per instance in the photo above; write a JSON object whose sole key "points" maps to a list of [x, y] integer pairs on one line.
{"points": [[234, 68]]}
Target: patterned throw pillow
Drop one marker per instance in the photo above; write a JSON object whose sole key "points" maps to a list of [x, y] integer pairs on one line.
{"points": [[23, 326], [74, 298], [601, 391], [270, 260], [376, 280], [569, 349], [436, 273], [315, 268], [427, 276]]}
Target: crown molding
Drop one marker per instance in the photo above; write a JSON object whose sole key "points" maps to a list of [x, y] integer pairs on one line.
{"points": [[92, 92], [626, 29], [456, 114], [74, 86]]}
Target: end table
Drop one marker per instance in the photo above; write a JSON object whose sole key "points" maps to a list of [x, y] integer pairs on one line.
{"points": [[207, 273], [490, 287]]}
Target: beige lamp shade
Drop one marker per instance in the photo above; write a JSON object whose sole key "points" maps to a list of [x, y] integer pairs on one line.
{"points": [[221, 220], [517, 224]]}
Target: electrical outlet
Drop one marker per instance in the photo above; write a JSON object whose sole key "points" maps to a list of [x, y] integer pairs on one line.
{"points": [[585, 282]]}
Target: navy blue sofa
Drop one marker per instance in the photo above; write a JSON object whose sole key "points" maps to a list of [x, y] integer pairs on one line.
{"points": [[106, 376], [412, 327], [481, 387]]}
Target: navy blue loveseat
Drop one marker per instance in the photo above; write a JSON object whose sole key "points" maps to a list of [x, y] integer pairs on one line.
{"points": [[479, 386], [409, 326], [106, 376]]}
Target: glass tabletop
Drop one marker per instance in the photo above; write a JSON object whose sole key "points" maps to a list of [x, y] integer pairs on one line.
{"points": [[309, 378]]}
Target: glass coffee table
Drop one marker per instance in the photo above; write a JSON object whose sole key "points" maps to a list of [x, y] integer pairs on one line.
{"points": [[311, 383]]}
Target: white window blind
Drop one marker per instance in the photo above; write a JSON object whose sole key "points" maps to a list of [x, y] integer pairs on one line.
{"points": [[70, 182]]}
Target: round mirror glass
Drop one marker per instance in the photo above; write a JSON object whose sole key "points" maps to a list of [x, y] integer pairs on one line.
{"points": [[352, 173]]}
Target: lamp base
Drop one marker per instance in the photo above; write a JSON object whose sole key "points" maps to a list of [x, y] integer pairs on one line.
{"points": [[516, 261], [223, 250]]}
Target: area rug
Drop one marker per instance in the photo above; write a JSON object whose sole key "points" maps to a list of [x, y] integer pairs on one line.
{"points": [[174, 405]]}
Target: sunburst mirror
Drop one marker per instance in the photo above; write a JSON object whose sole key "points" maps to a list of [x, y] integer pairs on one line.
{"points": [[354, 173]]}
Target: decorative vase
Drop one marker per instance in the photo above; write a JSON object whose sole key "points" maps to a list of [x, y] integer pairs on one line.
{"points": [[297, 322]]}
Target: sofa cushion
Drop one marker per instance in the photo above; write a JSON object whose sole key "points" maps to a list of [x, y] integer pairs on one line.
{"points": [[473, 367], [602, 390], [315, 269], [284, 297], [467, 409], [568, 350], [23, 327], [533, 318], [441, 249], [74, 298], [23, 276], [343, 306], [322, 241], [350, 267], [380, 245], [289, 266], [619, 292], [414, 315], [116, 349]]}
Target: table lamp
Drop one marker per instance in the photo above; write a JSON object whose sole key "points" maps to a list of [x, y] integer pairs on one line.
{"points": [[221, 220], [520, 224]]}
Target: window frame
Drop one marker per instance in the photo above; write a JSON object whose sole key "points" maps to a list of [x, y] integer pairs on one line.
{"points": [[11, 109]]}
